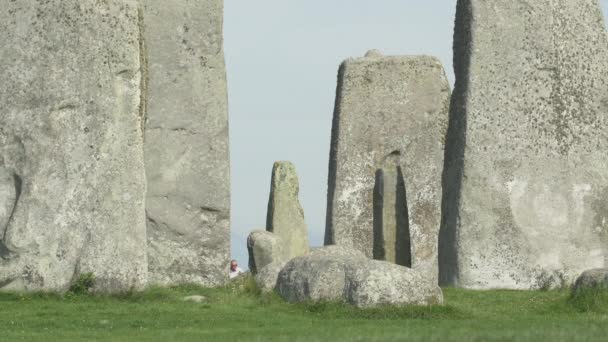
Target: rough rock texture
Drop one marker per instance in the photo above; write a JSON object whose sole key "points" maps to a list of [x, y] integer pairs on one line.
{"points": [[391, 227], [266, 278], [72, 180], [264, 248], [340, 273], [285, 214], [379, 283], [526, 174], [592, 279], [390, 112], [186, 143]]}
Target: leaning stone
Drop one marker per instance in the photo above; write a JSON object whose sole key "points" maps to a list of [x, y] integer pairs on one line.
{"points": [[525, 173], [266, 278], [186, 143], [391, 112], [341, 274], [264, 248], [592, 279], [72, 177], [285, 214]]}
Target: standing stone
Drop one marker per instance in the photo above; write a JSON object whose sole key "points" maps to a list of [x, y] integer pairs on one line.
{"points": [[390, 112], [72, 179], [285, 214], [526, 202], [264, 248], [186, 143], [391, 227]]}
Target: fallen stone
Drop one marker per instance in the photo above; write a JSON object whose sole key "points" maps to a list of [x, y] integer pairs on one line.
{"points": [[266, 278], [341, 274], [264, 248], [378, 283], [391, 112], [71, 150], [186, 143], [285, 217], [525, 171], [592, 279]]}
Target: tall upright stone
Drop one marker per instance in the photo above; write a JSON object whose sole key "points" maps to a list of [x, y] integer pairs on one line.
{"points": [[526, 195], [72, 181], [186, 143], [285, 216], [392, 241], [390, 112]]}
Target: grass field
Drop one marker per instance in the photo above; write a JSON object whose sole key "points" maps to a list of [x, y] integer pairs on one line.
{"points": [[238, 312]]}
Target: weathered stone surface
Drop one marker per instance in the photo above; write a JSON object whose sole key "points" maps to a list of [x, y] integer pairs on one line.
{"points": [[379, 283], [340, 273], [186, 143], [391, 227], [526, 177], [285, 217], [266, 278], [72, 179], [264, 248], [320, 275], [592, 279], [390, 112]]}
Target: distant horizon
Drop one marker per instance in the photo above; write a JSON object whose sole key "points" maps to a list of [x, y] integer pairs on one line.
{"points": [[282, 60]]}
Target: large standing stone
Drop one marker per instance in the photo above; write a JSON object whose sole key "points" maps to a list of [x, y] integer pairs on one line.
{"points": [[526, 176], [186, 145], [72, 180], [390, 112], [285, 216]]}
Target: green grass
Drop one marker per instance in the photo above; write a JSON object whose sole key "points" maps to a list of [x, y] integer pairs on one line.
{"points": [[238, 312]]}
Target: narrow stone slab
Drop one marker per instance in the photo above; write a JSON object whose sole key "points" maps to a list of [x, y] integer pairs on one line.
{"points": [[390, 112], [72, 181], [391, 226], [186, 145], [285, 217], [526, 202]]}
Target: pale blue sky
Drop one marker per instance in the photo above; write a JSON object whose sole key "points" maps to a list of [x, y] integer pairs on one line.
{"points": [[282, 59]]}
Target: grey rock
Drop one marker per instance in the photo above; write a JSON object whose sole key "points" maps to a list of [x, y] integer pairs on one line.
{"points": [[72, 174], [264, 248], [526, 177], [186, 143], [391, 228], [285, 217], [592, 279], [337, 273], [266, 278], [319, 275], [378, 283], [390, 112]]}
